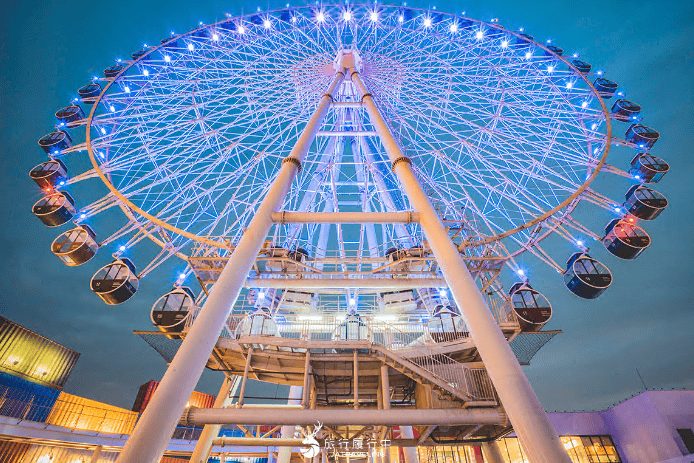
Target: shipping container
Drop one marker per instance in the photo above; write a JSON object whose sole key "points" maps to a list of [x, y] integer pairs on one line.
{"points": [[31, 356], [144, 395], [24, 399], [79, 413], [13, 452]]}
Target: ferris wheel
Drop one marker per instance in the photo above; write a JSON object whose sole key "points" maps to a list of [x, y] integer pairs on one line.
{"points": [[503, 133]]}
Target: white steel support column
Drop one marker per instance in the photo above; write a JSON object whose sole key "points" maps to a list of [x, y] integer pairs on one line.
{"points": [[202, 450], [492, 453], [154, 429], [96, 454], [410, 453], [284, 454], [537, 435]]}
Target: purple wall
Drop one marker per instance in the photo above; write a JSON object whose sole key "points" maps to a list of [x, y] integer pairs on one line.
{"points": [[643, 428]]}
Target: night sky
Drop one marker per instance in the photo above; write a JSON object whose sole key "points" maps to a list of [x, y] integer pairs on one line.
{"points": [[644, 321]]}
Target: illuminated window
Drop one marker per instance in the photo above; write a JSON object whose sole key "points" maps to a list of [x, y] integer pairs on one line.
{"points": [[581, 449]]}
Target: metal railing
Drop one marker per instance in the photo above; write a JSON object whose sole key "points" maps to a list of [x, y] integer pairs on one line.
{"points": [[410, 341]]}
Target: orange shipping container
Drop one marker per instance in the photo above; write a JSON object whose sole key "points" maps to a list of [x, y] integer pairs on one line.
{"points": [[76, 412], [197, 399]]}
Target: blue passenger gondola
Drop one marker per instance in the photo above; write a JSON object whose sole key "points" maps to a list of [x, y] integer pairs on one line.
{"points": [[69, 114], [625, 240], [49, 174], [116, 282], [625, 111], [605, 87], [582, 66], [644, 203], [523, 40], [172, 310], [89, 92], [531, 307], [138, 55], [644, 137], [169, 43], [54, 143], [648, 168], [75, 247], [586, 277], [553, 50], [55, 209], [113, 71]]}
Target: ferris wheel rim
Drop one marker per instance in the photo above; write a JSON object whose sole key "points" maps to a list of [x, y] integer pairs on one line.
{"points": [[128, 206]]}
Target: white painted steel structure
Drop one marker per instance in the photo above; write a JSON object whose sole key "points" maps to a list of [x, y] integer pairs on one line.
{"points": [[346, 159]]}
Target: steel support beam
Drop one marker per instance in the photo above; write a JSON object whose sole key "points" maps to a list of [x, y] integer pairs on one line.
{"points": [[156, 425], [355, 374], [376, 283], [345, 416], [244, 379], [96, 454], [284, 454], [492, 453], [345, 217], [530, 422], [203, 448]]}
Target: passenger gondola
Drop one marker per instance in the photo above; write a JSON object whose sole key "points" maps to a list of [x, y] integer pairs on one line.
{"points": [[648, 168], [259, 323], [170, 312], [582, 66], [625, 111], [553, 50], [89, 92], [55, 209], [524, 40], [72, 113], [54, 143], [116, 282], [49, 174], [644, 203], [531, 307], [642, 136], [138, 55], [354, 328], [625, 240], [169, 43], [605, 87], [586, 277], [446, 324], [75, 247], [113, 71]]}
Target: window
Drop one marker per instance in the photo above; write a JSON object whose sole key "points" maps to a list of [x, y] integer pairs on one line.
{"points": [[687, 436], [581, 449]]}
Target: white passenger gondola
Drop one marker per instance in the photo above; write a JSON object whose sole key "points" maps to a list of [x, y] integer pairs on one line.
{"points": [[446, 324], [171, 311], [259, 323], [116, 282], [625, 240], [55, 209], [644, 203], [75, 247], [49, 174], [531, 307], [586, 277]]}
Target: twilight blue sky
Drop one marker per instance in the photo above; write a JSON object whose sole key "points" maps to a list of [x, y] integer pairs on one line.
{"points": [[48, 49]]}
